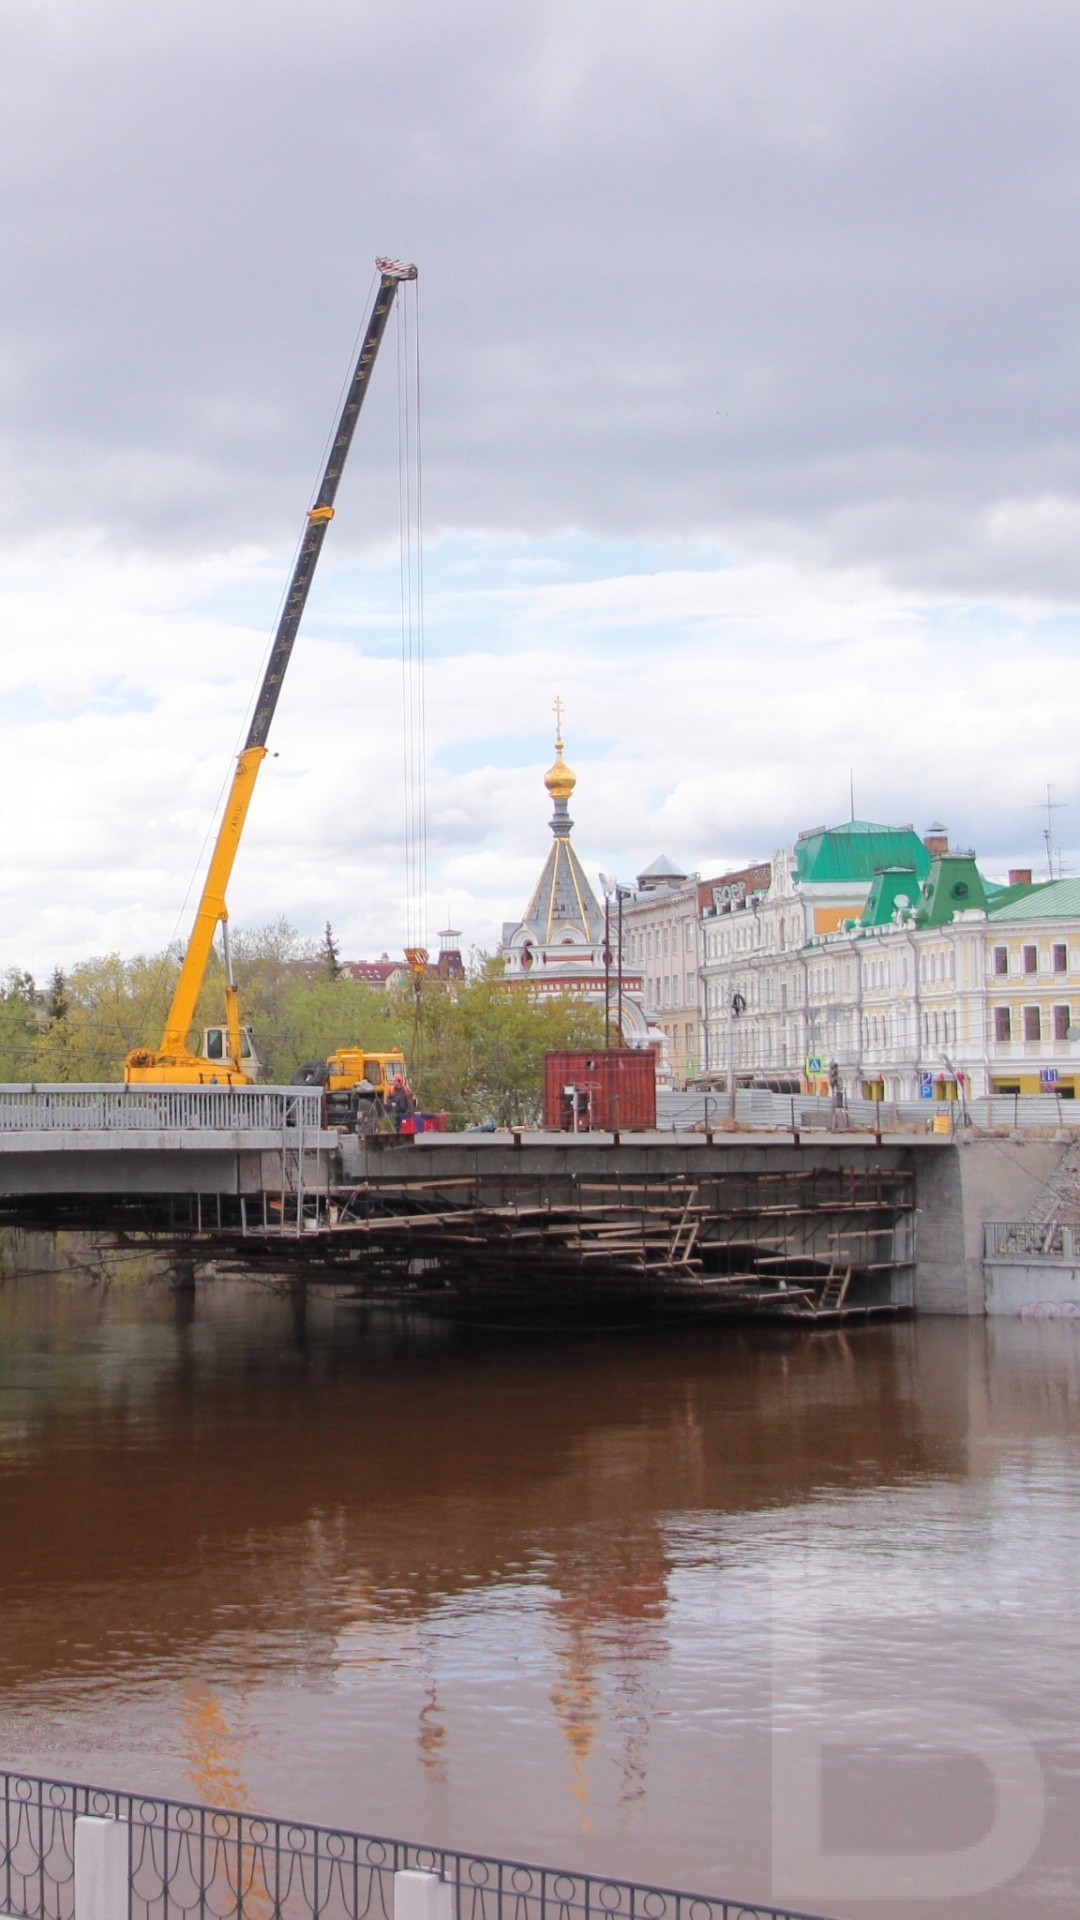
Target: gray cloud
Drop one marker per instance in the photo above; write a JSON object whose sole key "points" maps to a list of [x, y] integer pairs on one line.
{"points": [[724, 268]]}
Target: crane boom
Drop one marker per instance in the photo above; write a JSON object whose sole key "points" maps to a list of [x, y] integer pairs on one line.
{"points": [[174, 1061]]}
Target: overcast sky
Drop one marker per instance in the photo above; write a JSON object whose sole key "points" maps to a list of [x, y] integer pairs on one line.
{"points": [[750, 334]]}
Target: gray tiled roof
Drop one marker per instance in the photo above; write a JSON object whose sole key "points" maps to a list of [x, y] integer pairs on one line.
{"points": [[563, 895]]}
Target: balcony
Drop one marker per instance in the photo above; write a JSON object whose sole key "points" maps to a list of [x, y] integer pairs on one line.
{"points": [[1004, 1051]]}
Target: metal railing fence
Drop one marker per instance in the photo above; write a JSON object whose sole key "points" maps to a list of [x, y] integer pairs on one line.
{"points": [[201, 1863], [69, 1108], [1029, 1240], [758, 1106]]}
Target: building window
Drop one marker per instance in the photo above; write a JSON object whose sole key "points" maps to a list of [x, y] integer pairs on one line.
{"points": [[1061, 959], [1001, 959], [1032, 1024], [1062, 1022], [1002, 1023], [1031, 959]]}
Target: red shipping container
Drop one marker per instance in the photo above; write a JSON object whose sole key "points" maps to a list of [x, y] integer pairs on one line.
{"points": [[604, 1091]]}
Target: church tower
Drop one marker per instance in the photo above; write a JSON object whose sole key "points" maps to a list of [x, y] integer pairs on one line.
{"points": [[560, 938]]}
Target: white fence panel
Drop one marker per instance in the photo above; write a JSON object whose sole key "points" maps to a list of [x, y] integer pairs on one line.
{"points": [[100, 1108]]}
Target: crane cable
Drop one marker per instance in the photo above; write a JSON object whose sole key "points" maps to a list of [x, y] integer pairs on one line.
{"points": [[411, 567]]}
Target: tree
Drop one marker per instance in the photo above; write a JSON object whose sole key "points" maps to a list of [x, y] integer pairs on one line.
{"points": [[474, 1047], [111, 1006], [313, 1016], [57, 1004], [19, 1017], [331, 957], [481, 1046]]}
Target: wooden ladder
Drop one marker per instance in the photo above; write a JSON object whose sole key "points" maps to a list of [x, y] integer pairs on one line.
{"points": [[834, 1292], [684, 1237]]}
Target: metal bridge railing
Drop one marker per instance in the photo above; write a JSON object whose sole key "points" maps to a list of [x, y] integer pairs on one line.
{"points": [[111, 1108], [169, 1861], [1029, 1240]]}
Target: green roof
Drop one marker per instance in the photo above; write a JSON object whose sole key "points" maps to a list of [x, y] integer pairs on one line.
{"points": [[894, 889], [1052, 900], [955, 885], [856, 850]]}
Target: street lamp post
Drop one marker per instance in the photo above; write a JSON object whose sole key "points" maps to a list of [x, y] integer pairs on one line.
{"points": [[736, 1005], [607, 969], [620, 896], [613, 891]]}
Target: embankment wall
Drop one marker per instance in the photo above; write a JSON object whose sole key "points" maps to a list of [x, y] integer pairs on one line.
{"points": [[959, 1190]]}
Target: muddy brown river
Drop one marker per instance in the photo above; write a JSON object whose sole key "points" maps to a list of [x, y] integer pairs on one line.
{"points": [[767, 1613]]}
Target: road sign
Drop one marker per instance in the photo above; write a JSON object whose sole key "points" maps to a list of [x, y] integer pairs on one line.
{"points": [[815, 1067], [1048, 1076], [926, 1086]]}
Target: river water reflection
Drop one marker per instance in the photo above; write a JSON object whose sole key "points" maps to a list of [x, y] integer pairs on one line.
{"points": [[587, 1600]]}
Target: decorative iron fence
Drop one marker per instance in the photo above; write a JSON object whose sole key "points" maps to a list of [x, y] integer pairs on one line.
{"points": [[201, 1863], [67, 1108]]}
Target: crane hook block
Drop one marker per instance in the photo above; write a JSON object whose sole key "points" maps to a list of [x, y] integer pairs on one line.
{"points": [[396, 269]]}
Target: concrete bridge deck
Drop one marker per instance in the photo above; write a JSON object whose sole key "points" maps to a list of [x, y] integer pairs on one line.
{"points": [[255, 1165]]}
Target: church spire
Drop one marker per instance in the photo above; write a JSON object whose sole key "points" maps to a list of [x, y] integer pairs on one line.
{"points": [[560, 781]]}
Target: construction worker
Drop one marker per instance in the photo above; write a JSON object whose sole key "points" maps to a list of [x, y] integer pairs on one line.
{"points": [[399, 1102]]}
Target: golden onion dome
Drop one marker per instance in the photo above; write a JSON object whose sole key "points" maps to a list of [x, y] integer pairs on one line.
{"points": [[560, 780]]}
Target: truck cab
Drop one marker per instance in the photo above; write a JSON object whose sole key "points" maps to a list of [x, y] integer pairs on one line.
{"points": [[216, 1047], [358, 1083]]}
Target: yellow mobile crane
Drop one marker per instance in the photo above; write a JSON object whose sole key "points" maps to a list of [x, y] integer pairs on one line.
{"points": [[174, 1062]]}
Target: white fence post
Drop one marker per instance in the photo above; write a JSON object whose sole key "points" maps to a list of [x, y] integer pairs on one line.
{"points": [[102, 1869], [418, 1896]]}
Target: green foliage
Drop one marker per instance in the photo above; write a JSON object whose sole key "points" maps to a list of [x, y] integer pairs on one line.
{"points": [[475, 1048], [102, 1008], [18, 1025], [111, 1005], [480, 1045], [330, 954], [310, 1015], [57, 1002]]}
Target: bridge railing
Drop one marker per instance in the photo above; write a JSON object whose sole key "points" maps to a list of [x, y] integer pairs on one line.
{"points": [[84, 1853], [1029, 1240], [66, 1107]]}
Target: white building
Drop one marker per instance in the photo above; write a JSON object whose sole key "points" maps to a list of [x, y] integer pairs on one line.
{"points": [[893, 961], [661, 938]]}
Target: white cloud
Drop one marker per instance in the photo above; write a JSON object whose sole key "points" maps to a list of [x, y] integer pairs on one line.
{"points": [[752, 403], [712, 712]]}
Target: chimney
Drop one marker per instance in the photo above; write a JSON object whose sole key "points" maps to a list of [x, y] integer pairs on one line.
{"points": [[936, 840], [1019, 876]]}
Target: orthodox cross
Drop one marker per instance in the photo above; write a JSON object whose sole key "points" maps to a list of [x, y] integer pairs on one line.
{"points": [[557, 710]]}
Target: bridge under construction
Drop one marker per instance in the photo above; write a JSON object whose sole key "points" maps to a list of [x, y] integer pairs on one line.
{"points": [[248, 1179]]}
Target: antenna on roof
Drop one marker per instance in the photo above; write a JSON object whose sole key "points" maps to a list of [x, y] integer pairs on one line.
{"points": [[1052, 807], [851, 791]]}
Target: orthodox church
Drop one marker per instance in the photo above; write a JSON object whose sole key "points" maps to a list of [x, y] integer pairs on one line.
{"points": [[558, 945]]}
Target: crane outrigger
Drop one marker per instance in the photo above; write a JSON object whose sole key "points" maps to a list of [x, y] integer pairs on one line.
{"points": [[174, 1062]]}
